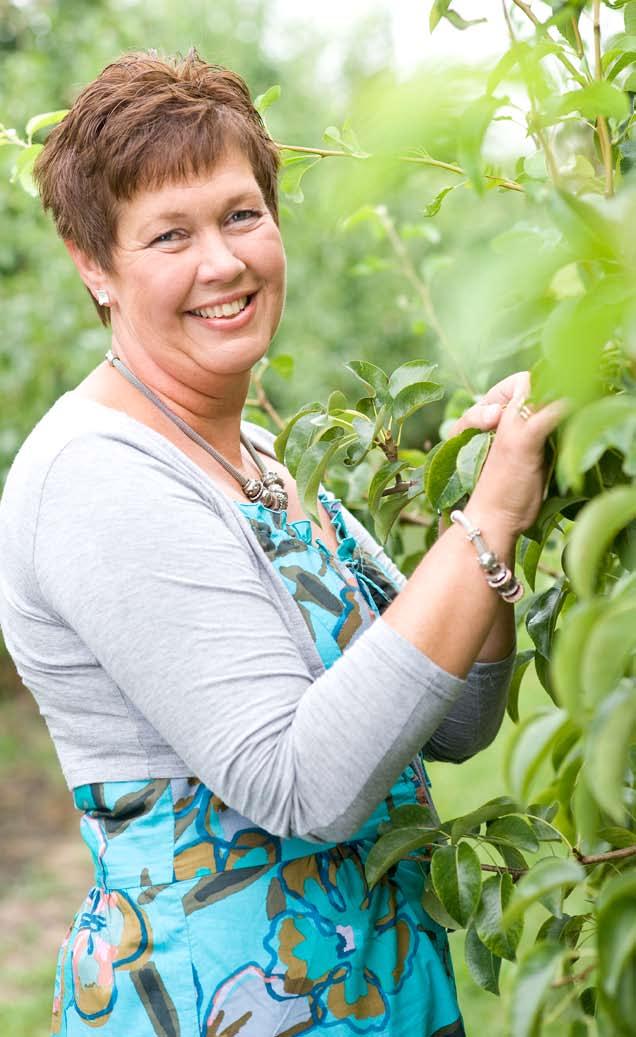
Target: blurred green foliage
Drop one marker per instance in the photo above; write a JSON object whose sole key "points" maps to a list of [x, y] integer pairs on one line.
{"points": [[471, 221]]}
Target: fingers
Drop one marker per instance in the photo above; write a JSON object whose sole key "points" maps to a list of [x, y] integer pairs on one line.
{"points": [[484, 416], [517, 384], [521, 418]]}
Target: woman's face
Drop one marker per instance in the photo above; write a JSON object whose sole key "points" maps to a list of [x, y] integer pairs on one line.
{"points": [[199, 274]]}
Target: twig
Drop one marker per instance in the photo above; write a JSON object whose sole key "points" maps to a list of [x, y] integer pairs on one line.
{"points": [[425, 160], [563, 58], [321, 152], [574, 978], [599, 858], [601, 121], [420, 287], [510, 185], [265, 404], [411, 518]]}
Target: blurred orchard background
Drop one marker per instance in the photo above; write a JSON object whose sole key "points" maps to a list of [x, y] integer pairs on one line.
{"points": [[434, 233]]}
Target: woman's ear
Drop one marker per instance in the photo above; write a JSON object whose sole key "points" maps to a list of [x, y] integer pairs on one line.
{"points": [[93, 276]]}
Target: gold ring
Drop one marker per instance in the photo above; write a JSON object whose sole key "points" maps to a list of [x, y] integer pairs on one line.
{"points": [[525, 411]]}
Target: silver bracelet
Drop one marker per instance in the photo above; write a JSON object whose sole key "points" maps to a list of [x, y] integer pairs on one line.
{"points": [[498, 575]]}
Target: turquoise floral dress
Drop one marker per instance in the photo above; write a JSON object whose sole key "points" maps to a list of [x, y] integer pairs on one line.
{"points": [[201, 924]]}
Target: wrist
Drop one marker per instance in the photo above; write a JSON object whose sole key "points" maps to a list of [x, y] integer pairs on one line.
{"points": [[495, 526]]}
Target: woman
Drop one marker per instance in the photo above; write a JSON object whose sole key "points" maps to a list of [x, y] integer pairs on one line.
{"points": [[231, 714]]}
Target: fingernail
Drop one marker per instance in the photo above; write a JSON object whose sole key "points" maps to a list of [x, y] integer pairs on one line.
{"points": [[492, 411]]}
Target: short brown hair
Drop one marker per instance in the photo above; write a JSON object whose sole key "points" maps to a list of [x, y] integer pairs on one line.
{"points": [[146, 121]]}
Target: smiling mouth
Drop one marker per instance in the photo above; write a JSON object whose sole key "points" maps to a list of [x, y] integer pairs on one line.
{"points": [[224, 311]]}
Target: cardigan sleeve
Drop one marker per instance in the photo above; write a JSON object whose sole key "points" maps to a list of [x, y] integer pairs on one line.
{"points": [[477, 714]]}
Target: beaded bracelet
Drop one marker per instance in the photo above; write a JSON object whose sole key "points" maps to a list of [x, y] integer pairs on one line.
{"points": [[498, 575]]}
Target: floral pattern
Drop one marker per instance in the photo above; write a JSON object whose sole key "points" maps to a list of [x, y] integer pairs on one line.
{"points": [[201, 924]]}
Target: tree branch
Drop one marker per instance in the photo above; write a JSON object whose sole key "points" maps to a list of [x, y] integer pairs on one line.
{"points": [[600, 858]]}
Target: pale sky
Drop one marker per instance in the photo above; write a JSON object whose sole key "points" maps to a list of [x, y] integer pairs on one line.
{"points": [[412, 41]]}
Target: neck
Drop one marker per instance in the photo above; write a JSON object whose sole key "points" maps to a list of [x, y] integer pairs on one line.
{"points": [[212, 407]]}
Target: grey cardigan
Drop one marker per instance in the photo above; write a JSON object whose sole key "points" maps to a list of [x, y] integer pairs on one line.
{"points": [[159, 641]]}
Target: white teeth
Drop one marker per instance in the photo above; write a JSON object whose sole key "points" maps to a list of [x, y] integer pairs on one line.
{"points": [[226, 309]]}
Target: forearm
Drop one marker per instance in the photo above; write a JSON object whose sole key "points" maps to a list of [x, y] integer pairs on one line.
{"points": [[447, 610], [501, 637]]}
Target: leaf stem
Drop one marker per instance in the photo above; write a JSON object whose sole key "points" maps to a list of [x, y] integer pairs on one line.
{"points": [[601, 122]]}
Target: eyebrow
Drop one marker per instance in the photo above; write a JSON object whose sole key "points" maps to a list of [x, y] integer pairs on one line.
{"points": [[175, 215]]}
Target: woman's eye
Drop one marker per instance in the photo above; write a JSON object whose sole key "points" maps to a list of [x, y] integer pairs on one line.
{"points": [[167, 237], [241, 215]]}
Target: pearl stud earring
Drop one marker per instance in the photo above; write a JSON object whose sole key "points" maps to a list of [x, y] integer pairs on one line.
{"points": [[103, 297]]}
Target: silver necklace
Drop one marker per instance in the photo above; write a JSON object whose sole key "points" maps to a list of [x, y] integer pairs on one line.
{"points": [[269, 489]]}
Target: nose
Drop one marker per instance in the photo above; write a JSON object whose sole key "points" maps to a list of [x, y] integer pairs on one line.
{"points": [[218, 260]]}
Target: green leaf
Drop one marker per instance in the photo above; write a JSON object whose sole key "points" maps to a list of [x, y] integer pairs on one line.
{"points": [[542, 615], [588, 232], [600, 98], [565, 930], [373, 377], [346, 139], [434, 907], [23, 169], [269, 97], [456, 878], [443, 486], [461, 23], [411, 815], [313, 465], [536, 972], [483, 965], [472, 127], [514, 830], [495, 896], [294, 169], [494, 808], [546, 875], [438, 11], [569, 645], [282, 365], [528, 555], [601, 425], [413, 397], [305, 415], [629, 16], [621, 838], [40, 122], [364, 431], [394, 846], [597, 525], [522, 662], [530, 746], [435, 205], [411, 373], [471, 459], [609, 650], [390, 507], [616, 930], [384, 476], [607, 750]]}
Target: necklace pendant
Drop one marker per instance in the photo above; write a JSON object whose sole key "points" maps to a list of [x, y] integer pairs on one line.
{"points": [[269, 491]]}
